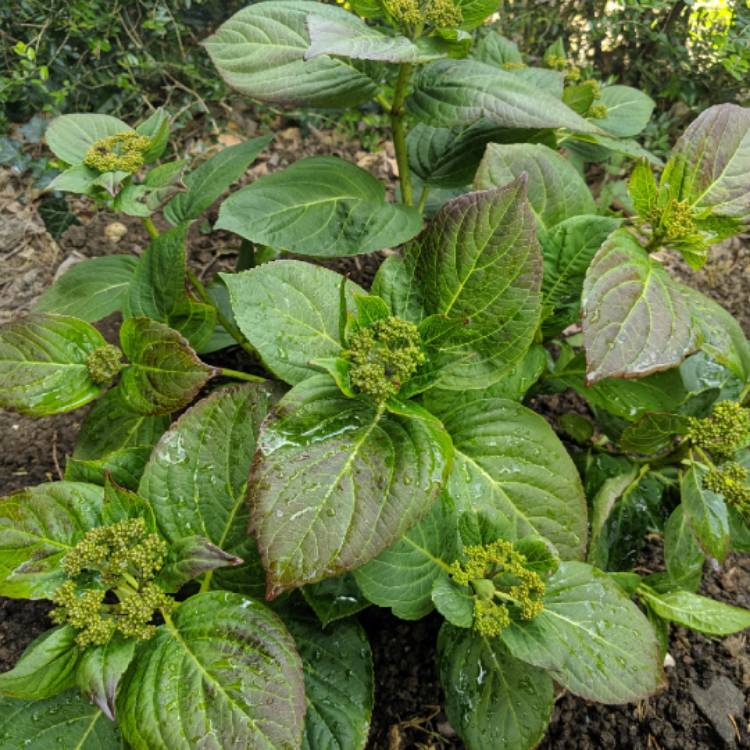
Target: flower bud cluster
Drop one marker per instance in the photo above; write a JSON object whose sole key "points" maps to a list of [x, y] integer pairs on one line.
{"points": [[122, 558], [440, 14], [730, 480], [123, 152], [724, 432], [383, 357], [104, 363], [499, 578]]}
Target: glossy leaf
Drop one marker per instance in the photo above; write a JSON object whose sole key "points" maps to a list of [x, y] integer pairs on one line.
{"points": [[335, 598], [222, 673], [100, 670], [508, 461], [322, 206], [164, 373], [706, 511], [38, 526], [636, 319], [682, 553], [556, 191], [196, 479], [90, 290], [628, 110], [43, 364], [260, 52], [70, 136], [207, 182], [191, 557], [336, 480], [289, 311], [339, 683], [491, 698], [590, 638]]}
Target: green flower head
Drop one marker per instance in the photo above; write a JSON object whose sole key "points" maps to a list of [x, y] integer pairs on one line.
{"points": [[730, 480], [123, 152], [724, 432], [383, 356], [104, 363]]}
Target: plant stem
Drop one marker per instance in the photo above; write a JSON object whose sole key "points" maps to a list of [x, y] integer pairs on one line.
{"points": [[423, 198], [237, 375], [153, 232], [398, 129]]}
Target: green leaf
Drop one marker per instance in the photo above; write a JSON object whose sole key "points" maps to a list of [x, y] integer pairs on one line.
{"points": [[335, 598], [706, 511], [121, 504], [590, 638], [114, 440], [394, 282], [156, 127], [402, 576], [43, 364], [191, 557], [289, 311], [448, 93], [38, 527], [338, 683], [600, 148], [165, 175], [492, 699], [682, 553], [495, 49], [100, 670], [322, 206], [474, 12], [70, 136], [604, 501], [215, 175], [260, 52], [454, 602], [67, 721], [164, 373], [709, 163], [555, 189], [508, 461], [642, 188], [46, 667], [223, 672], [628, 111], [78, 179], [158, 289], [196, 479], [697, 612], [336, 480], [479, 263], [90, 290], [636, 319], [653, 433]]}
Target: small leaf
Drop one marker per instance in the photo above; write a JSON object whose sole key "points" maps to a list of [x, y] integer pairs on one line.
{"points": [[335, 598], [491, 698], [46, 667], [230, 648], [636, 319], [155, 127], [38, 527], [289, 311], [100, 670], [43, 364], [628, 110], [590, 638], [682, 553], [70, 136], [192, 557], [164, 373], [78, 179], [90, 290], [706, 512], [653, 433], [453, 602], [322, 206], [215, 175], [642, 188], [495, 49]]}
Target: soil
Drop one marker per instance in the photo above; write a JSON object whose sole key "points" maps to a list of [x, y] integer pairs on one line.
{"points": [[408, 703]]}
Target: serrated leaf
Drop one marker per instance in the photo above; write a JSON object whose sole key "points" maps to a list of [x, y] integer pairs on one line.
{"points": [[338, 683], [653, 432], [598, 148], [449, 93], [222, 673], [70, 136], [191, 557], [394, 282], [555, 189], [628, 110], [43, 364], [697, 612], [491, 698], [478, 262], [196, 478], [335, 598], [337, 480], [158, 290], [90, 290], [68, 721], [706, 512], [260, 52], [114, 440], [46, 667], [322, 206], [454, 602], [38, 526], [495, 49], [289, 311], [590, 638], [508, 461], [636, 319], [402, 576], [207, 182], [164, 373], [100, 670], [682, 553]]}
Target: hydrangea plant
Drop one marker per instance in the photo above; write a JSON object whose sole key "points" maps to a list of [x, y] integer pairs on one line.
{"points": [[381, 449]]}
